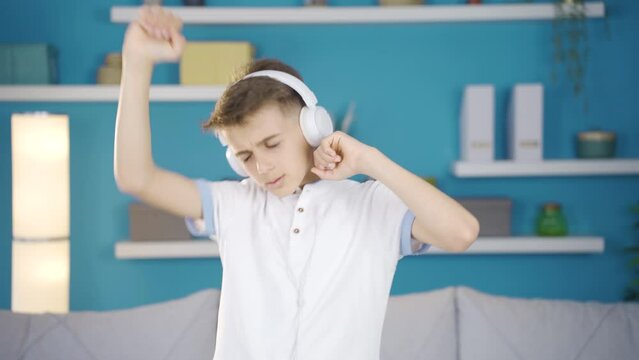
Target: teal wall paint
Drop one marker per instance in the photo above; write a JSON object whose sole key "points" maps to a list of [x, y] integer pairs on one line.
{"points": [[5, 214], [407, 81]]}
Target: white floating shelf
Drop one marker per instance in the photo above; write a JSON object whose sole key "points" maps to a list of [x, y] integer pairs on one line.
{"points": [[507, 168], [166, 249], [104, 93], [360, 14], [531, 245], [484, 245]]}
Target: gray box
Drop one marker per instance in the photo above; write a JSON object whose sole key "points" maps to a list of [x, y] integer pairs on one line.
{"points": [[147, 223], [493, 214]]}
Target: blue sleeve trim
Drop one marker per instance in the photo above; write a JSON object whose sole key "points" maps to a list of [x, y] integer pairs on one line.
{"points": [[206, 198], [406, 239]]}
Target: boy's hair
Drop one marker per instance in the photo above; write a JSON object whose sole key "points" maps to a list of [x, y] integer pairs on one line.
{"points": [[244, 97]]}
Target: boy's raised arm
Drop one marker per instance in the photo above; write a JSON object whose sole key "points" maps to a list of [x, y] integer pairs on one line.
{"points": [[154, 37], [439, 219]]}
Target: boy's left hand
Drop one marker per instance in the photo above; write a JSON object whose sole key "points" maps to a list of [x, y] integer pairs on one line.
{"points": [[340, 156]]}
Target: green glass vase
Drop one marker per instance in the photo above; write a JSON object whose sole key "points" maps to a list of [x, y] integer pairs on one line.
{"points": [[551, 221]]}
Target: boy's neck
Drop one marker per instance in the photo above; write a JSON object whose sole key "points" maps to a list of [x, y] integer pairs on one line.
{"points": [[308, 179]]}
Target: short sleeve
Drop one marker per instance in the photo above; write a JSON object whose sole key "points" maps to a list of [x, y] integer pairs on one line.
{"points": [[203, 227], [406, 240], [390, 218]]}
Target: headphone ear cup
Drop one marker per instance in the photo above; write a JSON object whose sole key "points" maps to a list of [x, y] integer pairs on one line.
{"points": [[316, 124], [323, 122], [235, 163]]}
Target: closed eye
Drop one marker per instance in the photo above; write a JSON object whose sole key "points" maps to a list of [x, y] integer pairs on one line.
{"points": [[267, 146]]}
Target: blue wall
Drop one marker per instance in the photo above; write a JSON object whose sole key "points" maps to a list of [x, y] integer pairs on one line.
{"points": [[407, 81], [5, 213]]}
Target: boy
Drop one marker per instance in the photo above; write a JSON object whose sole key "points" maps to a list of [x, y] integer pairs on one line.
{"points": [[308, 255]]}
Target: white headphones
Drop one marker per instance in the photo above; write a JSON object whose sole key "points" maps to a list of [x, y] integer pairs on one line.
{"points": [[315, 121]]}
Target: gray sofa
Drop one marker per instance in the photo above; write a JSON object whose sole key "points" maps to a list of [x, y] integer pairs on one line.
{"points": [[451, 323]]}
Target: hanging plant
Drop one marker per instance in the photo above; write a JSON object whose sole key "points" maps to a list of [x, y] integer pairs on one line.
{"points": [[632, 291], [570, 40]]}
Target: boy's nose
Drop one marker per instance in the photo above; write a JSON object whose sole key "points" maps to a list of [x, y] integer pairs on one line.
{"points": [[263, 165]]}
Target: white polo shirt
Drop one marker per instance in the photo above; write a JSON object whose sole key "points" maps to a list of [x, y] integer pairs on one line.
{"points": [[306, 276]]}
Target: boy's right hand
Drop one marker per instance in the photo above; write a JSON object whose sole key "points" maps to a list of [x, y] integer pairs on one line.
{"points": [[154, 37]]}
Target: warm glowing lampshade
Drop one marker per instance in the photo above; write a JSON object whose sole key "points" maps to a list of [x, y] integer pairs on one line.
{"points": [[40, 276], [40, 159], [40, 169]]}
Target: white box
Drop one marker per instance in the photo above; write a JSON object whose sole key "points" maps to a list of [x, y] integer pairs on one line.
{"points": [[477, 124], [525, 123]]}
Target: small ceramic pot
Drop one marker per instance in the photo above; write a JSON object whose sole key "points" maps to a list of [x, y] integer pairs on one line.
{"points": [[111, 72], [596, 144], [109, 75], [113, 60]]}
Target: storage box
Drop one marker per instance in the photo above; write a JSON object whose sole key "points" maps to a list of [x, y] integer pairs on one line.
{"points": [[477, 124], [147, 223], [213, 62], [28, 64], [493, 214], [525, 123]]}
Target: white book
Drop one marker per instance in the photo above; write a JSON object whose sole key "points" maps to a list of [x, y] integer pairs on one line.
{"points": [[525, 123], [477, 124]]}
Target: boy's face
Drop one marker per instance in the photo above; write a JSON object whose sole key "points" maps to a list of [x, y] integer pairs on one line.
{"points": [[272, 149]]}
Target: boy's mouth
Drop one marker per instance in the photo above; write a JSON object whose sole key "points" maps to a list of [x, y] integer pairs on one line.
{"points": [[275, 182]]}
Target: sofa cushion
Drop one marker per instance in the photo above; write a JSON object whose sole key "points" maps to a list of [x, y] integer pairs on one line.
{"points": [[13, 331], [178, 329], [420, 326], [496, 327]]}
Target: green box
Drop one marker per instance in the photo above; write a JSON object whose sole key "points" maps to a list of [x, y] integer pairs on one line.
{"points": [[28, 64]]}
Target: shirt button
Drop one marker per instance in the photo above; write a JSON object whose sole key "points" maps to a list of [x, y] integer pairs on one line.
{"points": [[296, 230], [300, 209]]}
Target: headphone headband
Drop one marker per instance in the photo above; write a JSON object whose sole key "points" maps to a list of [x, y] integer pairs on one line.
{"points": [[296, 84], [314, 120]]}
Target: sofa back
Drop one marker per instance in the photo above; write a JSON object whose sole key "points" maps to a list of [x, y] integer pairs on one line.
{"points": [[496, 327], [420, 326], [465, 324], [181, 329], [447, 324]]}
